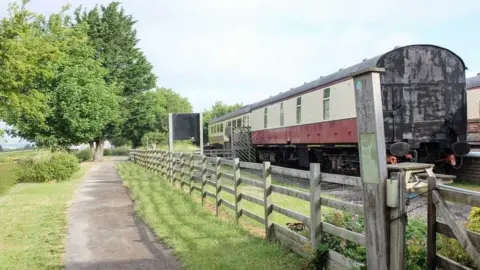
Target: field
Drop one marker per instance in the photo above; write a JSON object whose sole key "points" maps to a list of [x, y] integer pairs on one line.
{"points": [[34, 223], [8, 165], [179, 146], [200, 239]]}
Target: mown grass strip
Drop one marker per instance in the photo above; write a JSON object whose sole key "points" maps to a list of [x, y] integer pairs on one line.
{"points": [[200, 239], [33, 222]]}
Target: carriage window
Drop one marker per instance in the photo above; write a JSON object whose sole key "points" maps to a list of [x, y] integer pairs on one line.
{"points": [[265, 118], [326, 104], [234, 123], [229, 123], [239, 122], [299, 110], [221, 127], [282, 119], [244, 121]]}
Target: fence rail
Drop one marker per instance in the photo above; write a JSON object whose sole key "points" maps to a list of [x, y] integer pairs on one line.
{"points": [[470, 241], [192, 169]]}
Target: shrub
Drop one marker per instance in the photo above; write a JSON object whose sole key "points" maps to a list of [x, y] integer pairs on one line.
{"points": [[452, 249], [416, 234], [8, 177], [120, 151], [348, 248], [53, 167], [107, 152], [84, 155], [416, 242]]}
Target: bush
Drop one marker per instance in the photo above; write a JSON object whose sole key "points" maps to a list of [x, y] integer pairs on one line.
{"points": [[120, 151], [84, 155], [54, 167], [416, 242], [107, 152], [452, 249], [416, 234]]}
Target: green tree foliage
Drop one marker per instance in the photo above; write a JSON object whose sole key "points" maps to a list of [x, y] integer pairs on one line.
{"points": [[111, 32], [51, 87], [148, 112], [154, 139], [218, 109]]}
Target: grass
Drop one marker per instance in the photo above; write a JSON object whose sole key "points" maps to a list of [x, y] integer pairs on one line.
{"points": [[285, 201], [466, 185], [34, 224], [8, 176], [180, 146], [10, 156], [200, 239]]}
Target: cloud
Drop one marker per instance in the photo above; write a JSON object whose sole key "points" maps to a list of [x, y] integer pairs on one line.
{"points": [[244, 51]]}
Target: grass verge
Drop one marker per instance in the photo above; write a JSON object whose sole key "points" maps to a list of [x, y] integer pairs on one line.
{"points": [[34, 224], [200, 239], [8, 176], [466, 185]]}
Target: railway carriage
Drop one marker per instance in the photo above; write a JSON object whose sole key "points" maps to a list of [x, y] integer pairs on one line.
{"points": [[473, 105], [218, 129], [424, 102]]}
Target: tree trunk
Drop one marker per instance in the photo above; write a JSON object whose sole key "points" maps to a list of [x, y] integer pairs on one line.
{"points": [[98, 156], [92, 148]]}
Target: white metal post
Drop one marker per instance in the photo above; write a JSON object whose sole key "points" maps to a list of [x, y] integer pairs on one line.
{"points": [[170, 132], [201, 134]]}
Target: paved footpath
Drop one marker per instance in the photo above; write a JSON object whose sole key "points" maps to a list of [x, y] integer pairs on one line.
{"points": [[104, 233]]}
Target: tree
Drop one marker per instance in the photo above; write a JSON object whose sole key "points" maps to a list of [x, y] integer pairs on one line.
{"points": [[154, 138], [1, 148], [218, 109], [112, 34], [148, 112], [53, 91]]}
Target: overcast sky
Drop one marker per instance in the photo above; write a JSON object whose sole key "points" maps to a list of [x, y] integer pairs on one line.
{"points": [[248, 50]]}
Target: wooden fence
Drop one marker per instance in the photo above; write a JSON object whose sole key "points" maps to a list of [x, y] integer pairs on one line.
{"points": [[196, 172], [470, 241]]}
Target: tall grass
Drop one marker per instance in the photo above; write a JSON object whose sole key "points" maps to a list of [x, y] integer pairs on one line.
{"points": [[8, 176]]}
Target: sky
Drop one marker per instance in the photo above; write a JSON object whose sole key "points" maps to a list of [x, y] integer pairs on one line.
{"points": [[248, 50]]}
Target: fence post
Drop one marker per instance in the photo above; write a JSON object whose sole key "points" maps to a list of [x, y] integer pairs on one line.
{"points": [[315, 205], [149, 160], [218, 187], [431, 224], [155, 161], [170, 165], [397, 226], [182, 159], [267, 198], [237, 194], [373, 168], [162, 163], [204, 176], [191, 164]]}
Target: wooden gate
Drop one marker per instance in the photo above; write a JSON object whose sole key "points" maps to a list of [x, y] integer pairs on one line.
{"points": [[447, 226], [241, 143]]}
